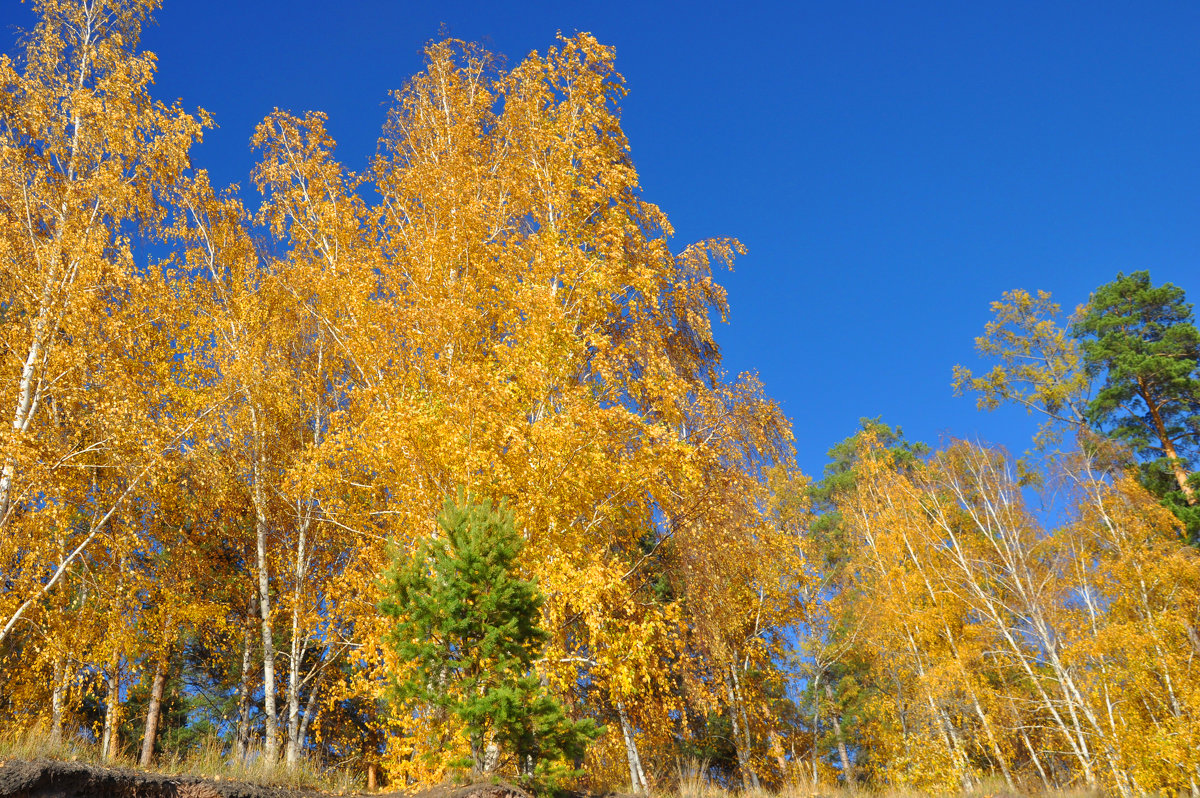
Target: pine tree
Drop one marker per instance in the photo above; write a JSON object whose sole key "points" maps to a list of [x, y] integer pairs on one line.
{"points": [[468, 625], [1143, 340]]}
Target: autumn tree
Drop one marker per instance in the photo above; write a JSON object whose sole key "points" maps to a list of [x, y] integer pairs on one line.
{"points": [[835, 661], [264, 351], [88, 163], [85, 152], [548, 346], [1038, 361]]}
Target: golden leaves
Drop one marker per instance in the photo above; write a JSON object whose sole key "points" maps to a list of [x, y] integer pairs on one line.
{"points": [[983, 622], [1039, 364], [508, 317]]}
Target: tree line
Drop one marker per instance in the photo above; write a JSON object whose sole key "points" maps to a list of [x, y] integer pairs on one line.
{"points": [[229, 423]]}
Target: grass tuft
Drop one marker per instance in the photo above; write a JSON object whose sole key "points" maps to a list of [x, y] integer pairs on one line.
{"points": [[209, 760]]}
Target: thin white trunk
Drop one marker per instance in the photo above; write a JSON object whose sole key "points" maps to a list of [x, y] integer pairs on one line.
{"points": [[637, 777], [310, 709], [112, 704], [271, 752], [1037, 761], [843, 754], [997, 752], [297, 728], [950, 735], [742, 740], [242, 743], [816, 727], [113, 700], [271, 720], [298, 648], [23, 414], [56, 700]]}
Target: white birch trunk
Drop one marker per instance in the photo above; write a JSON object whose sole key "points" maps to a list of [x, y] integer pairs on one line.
{"points": [[637, 777], [271, 733], [741, 731], [56, 700], [816, 727], [310, 709], [296, 655], [242, 742], [112, 703], [271, 720], [23, 413], [843, 754]]}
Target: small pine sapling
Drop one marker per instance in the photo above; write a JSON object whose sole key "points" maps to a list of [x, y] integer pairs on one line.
{"points": [[469, 627]]}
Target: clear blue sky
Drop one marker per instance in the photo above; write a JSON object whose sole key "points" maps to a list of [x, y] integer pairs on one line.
{"points": [[892, 167]]}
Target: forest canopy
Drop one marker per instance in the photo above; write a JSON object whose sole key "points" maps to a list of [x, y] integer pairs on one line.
{"points": [[227, 422]]}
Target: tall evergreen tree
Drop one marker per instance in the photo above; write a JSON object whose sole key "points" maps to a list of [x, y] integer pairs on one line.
{"points": [[1142, 341]]}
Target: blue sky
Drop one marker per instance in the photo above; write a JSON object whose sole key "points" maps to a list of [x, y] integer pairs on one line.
{"points": [[892, 167]]}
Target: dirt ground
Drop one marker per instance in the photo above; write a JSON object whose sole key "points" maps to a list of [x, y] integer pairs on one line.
{"points": [[47, 778]]}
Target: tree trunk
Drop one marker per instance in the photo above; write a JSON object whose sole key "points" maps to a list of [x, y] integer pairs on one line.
{"points": [[56, 700], [271, 720], [843, 754], [742, 741], [242, 743], [270, 711], [1168, 445], [1037, 762], [777, 752], [296, 655], [310, 711], [112, 703], [637, 777], [996, 750], [816, 727], [478, 756], [152, 714], [26, 404]]}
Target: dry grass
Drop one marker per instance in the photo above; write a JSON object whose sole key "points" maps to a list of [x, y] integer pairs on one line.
{"points": [[696, 788], [691, 781], [38, 743], [210, 760]]}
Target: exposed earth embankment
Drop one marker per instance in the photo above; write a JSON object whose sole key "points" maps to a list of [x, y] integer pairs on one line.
{"points": [[48, 778]]}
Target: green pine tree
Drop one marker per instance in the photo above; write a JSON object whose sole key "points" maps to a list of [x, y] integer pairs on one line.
{"points": [[1142, 340], [470, 626]]}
